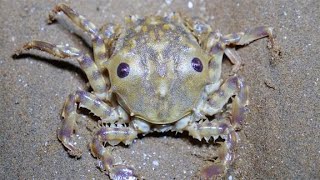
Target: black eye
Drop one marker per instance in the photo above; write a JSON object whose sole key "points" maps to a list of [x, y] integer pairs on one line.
{"points": [[197, 64], [123, 70]]}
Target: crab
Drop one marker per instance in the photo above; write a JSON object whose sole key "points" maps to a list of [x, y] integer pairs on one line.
{"points": [[158, 73]]}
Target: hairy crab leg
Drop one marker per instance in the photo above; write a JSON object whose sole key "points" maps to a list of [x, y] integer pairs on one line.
{"points": [[217, 44], [92, 103], [99, 48], [113, 135], [94, 75]]}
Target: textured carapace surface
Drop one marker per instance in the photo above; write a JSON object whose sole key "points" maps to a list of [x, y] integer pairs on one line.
{"points": [[162, 85]]}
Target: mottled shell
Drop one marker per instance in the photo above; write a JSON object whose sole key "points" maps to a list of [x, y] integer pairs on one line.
{"points": [[162, 86]]}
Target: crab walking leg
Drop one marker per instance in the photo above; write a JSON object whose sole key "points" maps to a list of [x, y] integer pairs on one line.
{"points": [[92, 103], [219, 98], [207, 129], [225, 158], [244, 38], [99, 48], [110, 33], [79, 20], [113, 135], [214, 128], [235, 59], [239, 106], [238, 109], [95, 77], [217, 44]]}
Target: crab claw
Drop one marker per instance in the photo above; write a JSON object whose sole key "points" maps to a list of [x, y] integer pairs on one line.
{"points": [[121, 172]]}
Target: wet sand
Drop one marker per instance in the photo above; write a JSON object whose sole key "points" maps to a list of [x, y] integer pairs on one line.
{"points": [[280, 139]]}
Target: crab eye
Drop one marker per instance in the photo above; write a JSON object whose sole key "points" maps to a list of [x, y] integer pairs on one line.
{"points": [[197, 64], [123, 70]]}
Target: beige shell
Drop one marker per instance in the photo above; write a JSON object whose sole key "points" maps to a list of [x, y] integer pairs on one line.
{"points": [[162, 86]]}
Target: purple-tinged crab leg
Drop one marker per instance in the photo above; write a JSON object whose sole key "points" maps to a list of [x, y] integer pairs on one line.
{"points": [[219, 98], [92, 103], [95, 77], [207, 129], [113, 135], [236, 87], [99, 48], [216, 44], [215, 128], [225, 157], [255, 34], [239, 106], [79, 20]]}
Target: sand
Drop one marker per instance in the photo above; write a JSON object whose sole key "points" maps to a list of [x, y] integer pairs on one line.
{"points": [[280, 139]]}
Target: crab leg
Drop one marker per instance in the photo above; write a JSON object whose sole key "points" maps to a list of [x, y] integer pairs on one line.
{"points": [[213, 128], [92, 103], [236, 87], [233, 86], [113, 135], [79, 20], [225, 158], [239, 106], [207, 129], [217, 44], [99, 48], [95, 77]]}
